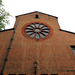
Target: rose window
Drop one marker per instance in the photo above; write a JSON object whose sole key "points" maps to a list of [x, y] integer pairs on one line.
{"points": [[37, 30]]}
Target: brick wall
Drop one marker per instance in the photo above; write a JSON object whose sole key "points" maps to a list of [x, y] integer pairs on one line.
{"points": [[53, 55], [5, 37]]}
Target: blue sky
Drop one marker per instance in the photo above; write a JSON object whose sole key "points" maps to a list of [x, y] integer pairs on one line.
{"points": [[63, 9]]}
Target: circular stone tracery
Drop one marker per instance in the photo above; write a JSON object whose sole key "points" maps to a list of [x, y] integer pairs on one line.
{"points": [[37, 30]]}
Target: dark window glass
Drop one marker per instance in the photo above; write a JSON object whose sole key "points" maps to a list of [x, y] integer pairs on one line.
{"points": [[22, 74], [73, 49], [12, 74], [54, 74], [36, 16], [44, 74]]}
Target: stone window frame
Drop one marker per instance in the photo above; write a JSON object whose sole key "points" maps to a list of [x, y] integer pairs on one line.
{"points": [[24, 27], [73, 49]]}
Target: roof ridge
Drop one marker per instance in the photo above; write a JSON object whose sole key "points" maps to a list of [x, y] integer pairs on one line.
{"points": [[37, 12], [66, 31]]}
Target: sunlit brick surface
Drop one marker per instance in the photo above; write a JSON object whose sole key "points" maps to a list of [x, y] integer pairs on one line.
{"points": [[53, 55]]}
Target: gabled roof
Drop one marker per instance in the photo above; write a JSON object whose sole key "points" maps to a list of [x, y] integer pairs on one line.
{"points": [[37, 12], [7, 30], [66, 31]]}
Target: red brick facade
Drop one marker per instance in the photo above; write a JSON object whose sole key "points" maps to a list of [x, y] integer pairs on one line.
{"points": [[53, 55]]}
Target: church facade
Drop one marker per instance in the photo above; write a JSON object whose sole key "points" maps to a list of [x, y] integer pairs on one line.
{"points": [[37, 46]]}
